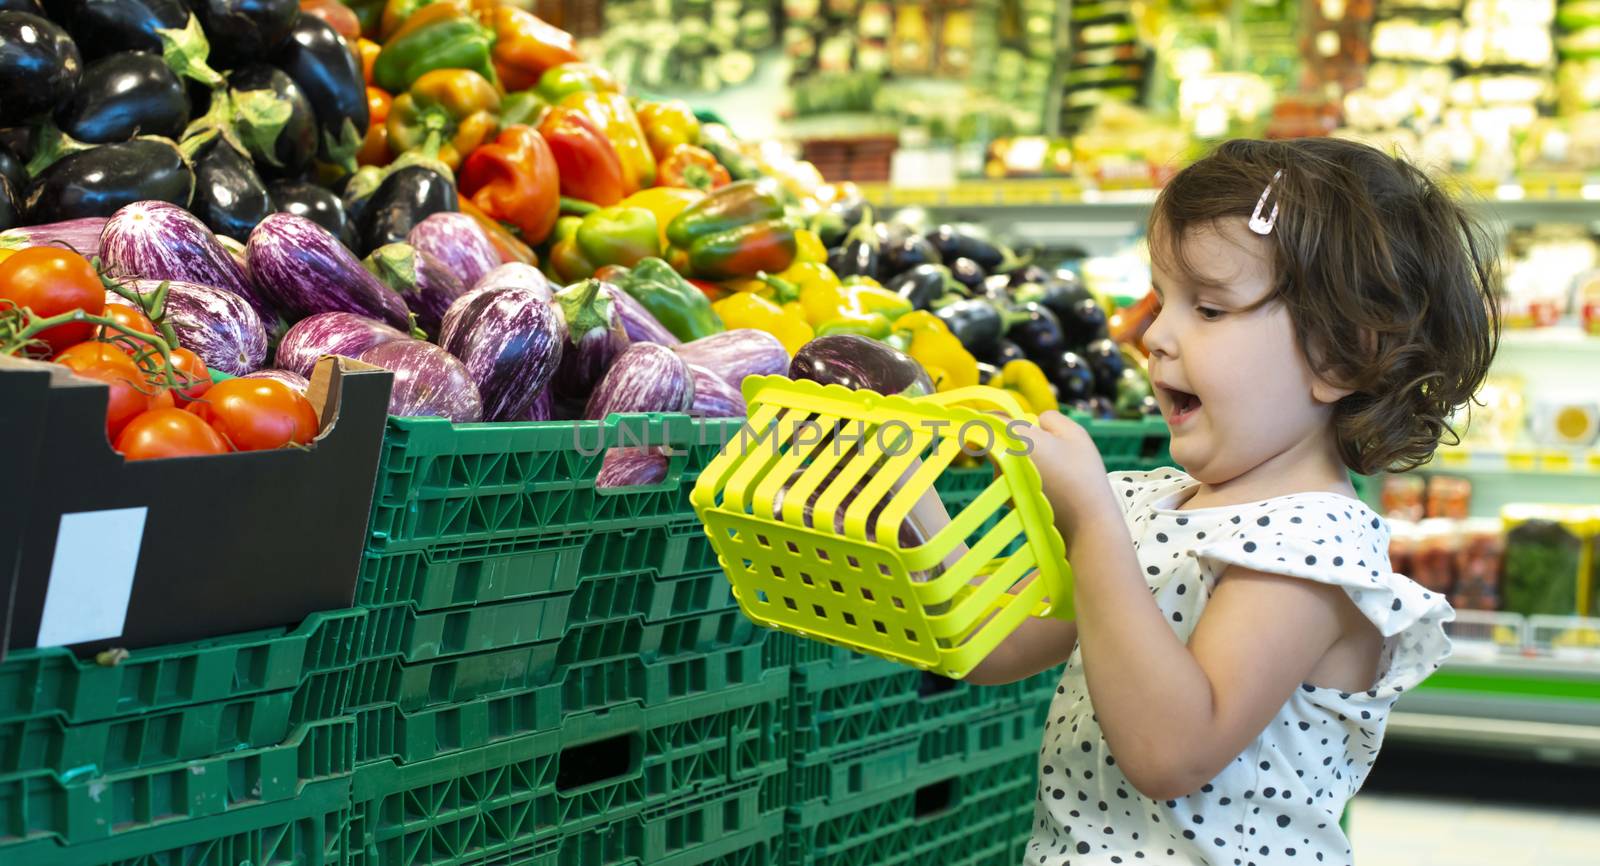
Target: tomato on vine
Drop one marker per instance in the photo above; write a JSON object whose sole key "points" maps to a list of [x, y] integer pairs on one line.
{"points": [[163, 433], [51, 282], [258, 414]]}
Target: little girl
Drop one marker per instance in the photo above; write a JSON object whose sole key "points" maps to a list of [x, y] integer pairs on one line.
{"points": [[1240, 638]]}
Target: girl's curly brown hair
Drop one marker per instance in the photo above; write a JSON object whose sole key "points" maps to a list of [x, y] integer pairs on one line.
{"points": [[1390, 284]]}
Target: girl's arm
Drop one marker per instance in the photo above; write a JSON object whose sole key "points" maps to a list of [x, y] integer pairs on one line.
{"points": [[1175, 715]]}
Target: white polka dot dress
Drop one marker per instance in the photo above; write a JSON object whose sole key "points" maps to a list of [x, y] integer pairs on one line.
{"points": [[1279, 801]]}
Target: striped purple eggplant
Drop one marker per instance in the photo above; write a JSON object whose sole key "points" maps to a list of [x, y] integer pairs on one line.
{"points": [[638, 322], [713, 396], [456, 240], [426, 285], [516, 275], [154, 240], [304, 270], [295, 381], [215, 324], [81, 235], [543, 407], [631, 467], [595, 337], [344, 334], [511, 340], [645, 378], [738, 353], [428, 381]]}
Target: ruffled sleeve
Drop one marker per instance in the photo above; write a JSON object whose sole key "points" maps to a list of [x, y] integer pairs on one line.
{"points": [[1339, 542]]}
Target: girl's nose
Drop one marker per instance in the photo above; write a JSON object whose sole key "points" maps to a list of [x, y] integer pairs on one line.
{"points": [[1158, 338]]}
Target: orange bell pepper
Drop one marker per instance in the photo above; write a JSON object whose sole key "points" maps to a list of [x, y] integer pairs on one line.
{"points": [[525, 46], [375, 148], [368, 51], [590, 168], [457, 108], [340, 17], [612, 114], [667, 125], [693, 167], [516, 180]]}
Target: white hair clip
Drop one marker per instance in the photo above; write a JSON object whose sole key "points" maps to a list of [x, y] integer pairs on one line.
{"points": [[1263, 225]]}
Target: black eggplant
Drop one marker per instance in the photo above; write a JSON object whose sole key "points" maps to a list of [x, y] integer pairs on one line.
{"points": [[229, 196], [320, 61], [318, 204], [1028, 274], [835, 222], [21, 141], [123, 95], [1009, 352], [977, 323], [953, 243], [39, 67], [103, 179], [1071, 375], [273, 119], [1084, 323], [921, 285], [12, 169], [1106, 360], [904, 253], [404, 199], [968, 273], [1058, 294], [245, 31], [10, 207], [164, 28], [31, 7], [1036, 331]]}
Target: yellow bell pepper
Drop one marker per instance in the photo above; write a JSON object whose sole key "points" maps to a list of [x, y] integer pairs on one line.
{"points": [[750, 310], [876, 299], [1029, 382], [930, 342], [665, 202], [809, 247]]}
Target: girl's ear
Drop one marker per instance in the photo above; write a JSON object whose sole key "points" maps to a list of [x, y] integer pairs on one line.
{"points": [[1327, 393]]}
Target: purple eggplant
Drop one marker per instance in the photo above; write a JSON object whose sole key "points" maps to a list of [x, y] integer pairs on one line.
{"points": [[426, 284], [631, 467], [738, 353], [215, 324], [154, 240], [713, 396], [304, 270], [81, 235], [295, 381], [516, 275], [641, 325], [511, 341], [595, 338], [646, 378], [344, 334], [456, 240], [427, 381], [543, 407], [858, 362]]}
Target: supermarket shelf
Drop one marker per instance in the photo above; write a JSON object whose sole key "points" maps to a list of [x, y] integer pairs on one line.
{"points": [[1546, 706], [1546, 461]]}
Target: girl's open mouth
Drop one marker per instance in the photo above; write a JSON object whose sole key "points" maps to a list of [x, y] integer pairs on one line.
{"points": [[1181, 405]]}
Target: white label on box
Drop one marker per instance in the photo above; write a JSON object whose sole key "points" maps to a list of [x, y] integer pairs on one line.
{"points": [[91, 577]]}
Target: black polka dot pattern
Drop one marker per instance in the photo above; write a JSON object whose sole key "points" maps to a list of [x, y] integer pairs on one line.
{"points": [[1282, 797]]}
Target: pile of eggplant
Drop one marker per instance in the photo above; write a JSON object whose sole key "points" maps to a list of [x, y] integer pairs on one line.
{"points": [[227, 108], [999, 305]]}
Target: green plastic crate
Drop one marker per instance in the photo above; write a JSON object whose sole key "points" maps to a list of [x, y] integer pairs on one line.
{"points": [[444, 483], [307, 830], [1130, 445], [498, 803], [455, 575], [388, 733], [739, 825], [456, 679], [908, 759], [974, 816], [42, 805], [35, 682]]}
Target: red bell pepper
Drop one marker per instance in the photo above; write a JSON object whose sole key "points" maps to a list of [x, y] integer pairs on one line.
{"points": [[515, 180], [525, 46], [590, 168]]}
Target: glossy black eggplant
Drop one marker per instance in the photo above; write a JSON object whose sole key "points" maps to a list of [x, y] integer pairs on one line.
{"points": [[921, 285], [1036, 331], [10, 206], [1008, 352], [321, 62], [318, 204], [245, 31], [835, 222], [39, 66], [123, 95], [273, 118], [1106, 360], [12, 169], [977, 323], [1072, 376], [1028, 274], [406, 198], [103, 179], [31, 7], [22, 141], [1060, 295], [968, 273], [953, 243], [1084, 323], [909, 251], [229, 196], [164, 28]]}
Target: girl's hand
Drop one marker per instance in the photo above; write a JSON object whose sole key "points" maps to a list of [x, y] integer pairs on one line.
{"points": [[1073, 475]]}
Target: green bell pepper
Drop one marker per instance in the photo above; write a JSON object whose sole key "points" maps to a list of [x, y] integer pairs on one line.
{"points": [[523, 109], [619, 236], [675, 302], [438, 36], [743, 251], [559, 82], [729, 207]]}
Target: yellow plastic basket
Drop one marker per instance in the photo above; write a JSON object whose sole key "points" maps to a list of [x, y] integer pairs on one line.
{"points": [[860, 462]]}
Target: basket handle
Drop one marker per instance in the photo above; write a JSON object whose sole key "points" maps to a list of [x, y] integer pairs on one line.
{"points": [[995, 399]]}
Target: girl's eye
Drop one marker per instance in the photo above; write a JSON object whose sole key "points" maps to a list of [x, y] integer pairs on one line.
{"points": [[1210, 314]]}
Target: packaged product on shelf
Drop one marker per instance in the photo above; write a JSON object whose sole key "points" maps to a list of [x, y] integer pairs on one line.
{"points": [[1501, 414], [1565, 420], [1402, 545], [1402, 497], [1449, 496], [1434, 563], [1544, 554], [1478, 560]]}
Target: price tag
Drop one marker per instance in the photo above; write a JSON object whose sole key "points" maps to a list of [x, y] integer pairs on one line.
{"points": [[1555, 461], [1454, 456], [1522, 461]]}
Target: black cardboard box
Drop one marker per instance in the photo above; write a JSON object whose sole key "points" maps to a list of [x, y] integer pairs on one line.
{"points": [[214, 545]]}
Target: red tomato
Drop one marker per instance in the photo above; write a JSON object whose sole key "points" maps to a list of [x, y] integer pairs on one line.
{"points": [[163, 433], [51, 281], [128, 317], [96, 354], [106, 363], [189, 365], [257, 414]]}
